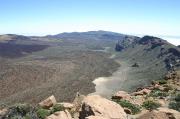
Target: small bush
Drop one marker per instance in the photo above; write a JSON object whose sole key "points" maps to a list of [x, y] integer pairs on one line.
{"points": [[124, 103], [174, 105], [57, 107], [168, 88], [158, 93], [43, 113], [27, 117], [21, 111], [177, 98], [161, 82], [150, 105]]}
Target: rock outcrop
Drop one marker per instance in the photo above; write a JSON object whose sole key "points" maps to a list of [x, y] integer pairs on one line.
{"points": [[98, 106]]}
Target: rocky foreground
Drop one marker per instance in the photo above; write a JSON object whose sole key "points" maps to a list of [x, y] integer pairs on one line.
{"points": [[160, 100]]}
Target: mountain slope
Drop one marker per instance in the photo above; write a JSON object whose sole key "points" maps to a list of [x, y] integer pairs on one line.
{"points": [[91, 35], [69, 62], [153, 58]]}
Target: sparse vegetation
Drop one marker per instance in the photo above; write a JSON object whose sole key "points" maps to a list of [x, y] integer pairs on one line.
{"points": [[43, 113], [177, 98], [161, 82], [21, 111], [124, 103], [158, 93], [150, 105], [135, 65], [57, 107], [174, 105]]}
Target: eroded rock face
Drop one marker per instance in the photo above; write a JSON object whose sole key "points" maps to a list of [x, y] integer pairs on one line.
{"points": [[60, 115], [97, 106], [49, 102]]}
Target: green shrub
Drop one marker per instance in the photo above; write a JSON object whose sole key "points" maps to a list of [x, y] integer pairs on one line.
{"points": [[124, 103], [27, 117], [150, 105], [174, 105], [57, 107], [158, 93], [21, 111], [161, 82], [168, 88], [43, 113], [177, 98]]}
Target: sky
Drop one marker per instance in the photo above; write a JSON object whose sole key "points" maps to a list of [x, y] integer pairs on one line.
{"points": [[43, 17]]}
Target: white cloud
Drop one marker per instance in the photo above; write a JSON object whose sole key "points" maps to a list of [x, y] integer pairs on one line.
{"points": [[174, 41]]}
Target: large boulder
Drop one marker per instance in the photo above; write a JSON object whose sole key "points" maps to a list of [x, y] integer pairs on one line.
{"points": [[60, 115], [97, 106], [49, 102]]}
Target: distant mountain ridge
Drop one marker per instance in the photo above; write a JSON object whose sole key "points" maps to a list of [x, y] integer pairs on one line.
{"points": [[106, 35]]}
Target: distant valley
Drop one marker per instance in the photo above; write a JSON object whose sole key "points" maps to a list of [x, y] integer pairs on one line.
{"points": [[33, 68]]}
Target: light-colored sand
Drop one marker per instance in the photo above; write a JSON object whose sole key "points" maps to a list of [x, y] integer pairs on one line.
{"points": [[106, 86]]}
